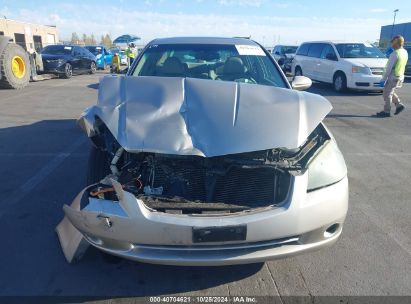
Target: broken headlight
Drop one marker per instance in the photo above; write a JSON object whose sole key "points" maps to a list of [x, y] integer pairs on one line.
{"points": [[327, 167]]}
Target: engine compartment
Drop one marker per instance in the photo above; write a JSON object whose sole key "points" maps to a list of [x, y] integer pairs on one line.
{"points": [[204, 185]]}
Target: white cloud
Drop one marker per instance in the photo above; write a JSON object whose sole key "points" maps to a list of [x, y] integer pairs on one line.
{"points": [[378, 10], [148, 25], [254, 3]]}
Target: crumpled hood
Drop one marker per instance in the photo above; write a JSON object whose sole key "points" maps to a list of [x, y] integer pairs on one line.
{"points": [[188, 116]]}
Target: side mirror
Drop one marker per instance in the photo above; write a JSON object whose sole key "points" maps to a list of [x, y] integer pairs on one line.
{"points": [[301, 83], [331, 56]]}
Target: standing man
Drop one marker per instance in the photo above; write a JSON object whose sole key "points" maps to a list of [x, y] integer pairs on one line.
{"points": [[393, 77], [131, 53]]}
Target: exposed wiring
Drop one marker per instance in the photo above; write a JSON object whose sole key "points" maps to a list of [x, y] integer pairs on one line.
{"points": [[102, 190]]}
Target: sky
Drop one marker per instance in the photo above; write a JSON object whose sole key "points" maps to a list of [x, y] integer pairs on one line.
{"points": [[267, 21]]}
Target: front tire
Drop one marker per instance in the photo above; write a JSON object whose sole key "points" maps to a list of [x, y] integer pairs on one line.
{"points": [[340, 82], [68, 71], [15, 67], [93, 68]]}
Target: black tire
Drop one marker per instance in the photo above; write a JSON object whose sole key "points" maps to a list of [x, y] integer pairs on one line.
{"points": [[68, 71], [98, 165], [93, 67], [298, 71], [340, 82], [9, 80]]}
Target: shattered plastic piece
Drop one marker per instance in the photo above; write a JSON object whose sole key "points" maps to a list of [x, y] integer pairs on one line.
{"points": [[72, 241]]}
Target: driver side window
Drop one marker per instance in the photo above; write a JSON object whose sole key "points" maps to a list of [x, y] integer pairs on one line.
{"points": [[328, 53], [76, 52]]}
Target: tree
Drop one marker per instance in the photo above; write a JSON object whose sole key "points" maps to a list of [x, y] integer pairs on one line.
{"points": [[75, 38], [106, 41], [93, 39]]}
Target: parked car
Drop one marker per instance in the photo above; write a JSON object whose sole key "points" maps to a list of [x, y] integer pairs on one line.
{"points": [[123, 57], [352, 65], [408, 66], [284, 54], [205, 155], [66, 60], [103, 56]]}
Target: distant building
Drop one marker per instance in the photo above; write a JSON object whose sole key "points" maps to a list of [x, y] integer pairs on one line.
{"points": [[388, 31], [29, 35]]}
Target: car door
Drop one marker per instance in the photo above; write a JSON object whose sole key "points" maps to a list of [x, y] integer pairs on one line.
{"points": [[88, 58], [314, 53], [108, 56], [328, 60], [307, 62], [300, 57], [76, 60]]}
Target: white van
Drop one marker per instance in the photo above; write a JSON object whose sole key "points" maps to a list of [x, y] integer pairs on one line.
{"points": [[353, 65]]}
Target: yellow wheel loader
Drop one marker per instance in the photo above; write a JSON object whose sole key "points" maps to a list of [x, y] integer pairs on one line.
{"points": [[15, 68]]}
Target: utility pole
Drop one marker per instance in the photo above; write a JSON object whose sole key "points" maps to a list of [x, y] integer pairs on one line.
{"points": [[392, 28]]}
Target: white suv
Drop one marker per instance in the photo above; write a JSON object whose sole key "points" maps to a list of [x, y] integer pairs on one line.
{"points": [[353, 65]]}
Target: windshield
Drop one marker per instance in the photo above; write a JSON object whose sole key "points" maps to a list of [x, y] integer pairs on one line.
{"points": [[358, 50], [95, 50], [57, 50], [241, 63], [289, 49]]}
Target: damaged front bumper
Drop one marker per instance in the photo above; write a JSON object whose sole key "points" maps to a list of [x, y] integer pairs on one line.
{"points": [[306, 221]]}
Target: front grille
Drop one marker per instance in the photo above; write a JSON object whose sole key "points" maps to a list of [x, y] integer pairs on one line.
{"points": [[377, 71], [242, 185], [191, 180]]}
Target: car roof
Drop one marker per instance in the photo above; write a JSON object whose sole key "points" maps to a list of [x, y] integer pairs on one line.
{"points": [[285, 45], [63, 45], [333, 41], [203, 40]]}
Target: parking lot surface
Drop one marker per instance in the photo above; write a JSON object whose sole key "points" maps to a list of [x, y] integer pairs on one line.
{"points": [[43, 158]]}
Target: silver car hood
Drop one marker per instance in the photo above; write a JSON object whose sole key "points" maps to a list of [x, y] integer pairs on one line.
{"points": [[187, 116]]}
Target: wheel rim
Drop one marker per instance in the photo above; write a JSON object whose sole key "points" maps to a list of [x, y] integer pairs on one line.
{"points": [[18, 67], [93, 67], [68, 70], [338, 83]]}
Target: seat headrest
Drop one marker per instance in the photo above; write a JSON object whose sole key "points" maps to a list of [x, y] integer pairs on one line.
{"points": [[173, 66], [234, 65]]}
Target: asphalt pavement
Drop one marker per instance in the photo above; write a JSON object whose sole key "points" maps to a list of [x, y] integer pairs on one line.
{"points": [[43, 157]]}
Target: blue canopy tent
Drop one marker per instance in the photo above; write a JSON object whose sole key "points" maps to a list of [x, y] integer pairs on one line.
{"points": [[126, 39]]}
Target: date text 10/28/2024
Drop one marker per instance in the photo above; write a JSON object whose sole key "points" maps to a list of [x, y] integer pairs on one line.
{"points": [[203, 299]]}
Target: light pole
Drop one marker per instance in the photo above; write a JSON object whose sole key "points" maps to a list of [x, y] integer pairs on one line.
{"points": [[393, 23]]}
